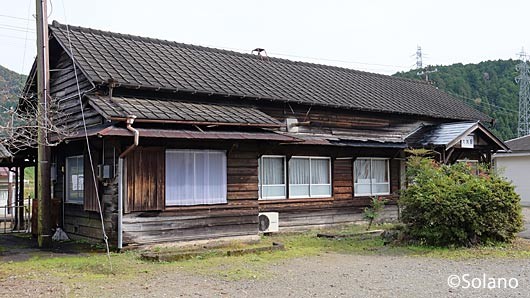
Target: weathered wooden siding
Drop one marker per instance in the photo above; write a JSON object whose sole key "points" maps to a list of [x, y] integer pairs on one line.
{"points": [[80, 221], [362, 125], [238, 217], [146, 179], [64, 92], [343, 207], [92, 187], [307, 219], [342, 179]]}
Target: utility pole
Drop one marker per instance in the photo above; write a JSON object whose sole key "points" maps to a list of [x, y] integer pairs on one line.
{"points": [[43, 160], [523, 80]]}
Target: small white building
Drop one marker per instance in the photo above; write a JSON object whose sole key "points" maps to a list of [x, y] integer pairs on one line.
{"points": [[7, 191], [515, 166]]}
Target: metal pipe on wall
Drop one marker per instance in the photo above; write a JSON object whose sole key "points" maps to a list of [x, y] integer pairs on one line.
{"points": [[121, 178]]}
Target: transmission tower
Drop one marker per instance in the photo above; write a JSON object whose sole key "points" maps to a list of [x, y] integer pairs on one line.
{"points": [[523, 79], [419, 59], [419, 66]]}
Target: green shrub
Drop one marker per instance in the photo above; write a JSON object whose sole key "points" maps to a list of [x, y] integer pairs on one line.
{"points": [[374, 211], [452, 205]]}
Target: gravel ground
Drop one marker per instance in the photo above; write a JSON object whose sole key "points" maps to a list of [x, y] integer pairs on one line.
{"points": [[338, 275], [327, 275]]}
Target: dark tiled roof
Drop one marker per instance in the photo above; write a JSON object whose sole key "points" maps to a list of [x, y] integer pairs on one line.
{"points": [[438, 135], [519, 144], [139, 62], [177, 111]]}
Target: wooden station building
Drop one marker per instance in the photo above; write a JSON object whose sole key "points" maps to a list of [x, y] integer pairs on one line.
{"points": [[190, 142]]}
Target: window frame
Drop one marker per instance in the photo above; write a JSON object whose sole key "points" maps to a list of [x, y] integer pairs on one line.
{"points": [[371, 184], [224, 152], [68, 178], [260, 175], [310, 178]]}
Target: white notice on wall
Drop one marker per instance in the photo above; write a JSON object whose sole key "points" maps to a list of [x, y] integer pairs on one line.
{"points": [[467, 142], [73, 178], [77, 182]]}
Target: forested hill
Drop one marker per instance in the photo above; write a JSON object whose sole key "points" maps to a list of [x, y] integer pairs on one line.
{"points": [[10, 85], [488, 86]]}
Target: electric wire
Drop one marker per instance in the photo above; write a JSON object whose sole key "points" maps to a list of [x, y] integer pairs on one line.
{"points": [[105, 237]]}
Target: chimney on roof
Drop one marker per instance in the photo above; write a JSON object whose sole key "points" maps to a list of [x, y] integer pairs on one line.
{"points": [[262, 54]]}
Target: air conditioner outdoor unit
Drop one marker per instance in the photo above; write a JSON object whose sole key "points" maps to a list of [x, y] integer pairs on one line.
{"points": [[268, 222]]}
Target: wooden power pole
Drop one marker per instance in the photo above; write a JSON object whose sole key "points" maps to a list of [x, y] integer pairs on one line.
{"points": [[44, 156]]}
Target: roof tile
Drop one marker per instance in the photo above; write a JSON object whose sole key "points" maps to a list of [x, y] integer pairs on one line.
{"points": [[150, 63], [172, 110]]}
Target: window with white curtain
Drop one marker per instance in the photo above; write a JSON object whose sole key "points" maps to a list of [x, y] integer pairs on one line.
{"points": [[195, 177], [309, 177], [271, 177], [75, 183], [371, 176]]}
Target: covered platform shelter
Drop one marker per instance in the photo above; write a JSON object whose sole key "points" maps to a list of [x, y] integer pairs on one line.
{"points": [[454, 141], [21, 205]]}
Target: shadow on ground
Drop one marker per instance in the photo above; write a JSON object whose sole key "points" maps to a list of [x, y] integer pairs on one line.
{"points": [[21, 247]]}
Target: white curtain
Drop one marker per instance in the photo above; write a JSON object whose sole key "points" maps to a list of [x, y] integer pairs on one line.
{"points": [[309, 177], [272, 177], [319, 171], [371, 176], [195, 177], [362, 170], [273, 170], [299, 177], [361, 177], [380, 183], [379, 170], [320, 180]]}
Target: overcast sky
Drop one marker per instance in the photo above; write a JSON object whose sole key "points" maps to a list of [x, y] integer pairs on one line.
{"points": [[377, 35]]}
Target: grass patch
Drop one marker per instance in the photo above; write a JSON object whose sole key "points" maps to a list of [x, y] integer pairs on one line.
{"points": [[83, 270]]}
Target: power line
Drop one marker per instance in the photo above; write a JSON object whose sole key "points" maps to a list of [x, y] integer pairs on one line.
{"points": [[13, 17], [17, 27], [25, 43], [17, 30], [105, 237], [16, 37], [341, 61], [506, 110], [312, 58]]}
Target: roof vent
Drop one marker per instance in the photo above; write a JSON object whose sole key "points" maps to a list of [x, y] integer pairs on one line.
{"points": [[292, 124], [262, 54]]}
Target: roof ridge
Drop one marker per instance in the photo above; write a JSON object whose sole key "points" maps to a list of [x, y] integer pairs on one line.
{"points": [[518, 138], [56, 24]]}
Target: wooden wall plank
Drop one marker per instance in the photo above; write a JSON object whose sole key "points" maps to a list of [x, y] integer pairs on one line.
{"points": [[91, 189], [145, 179]]}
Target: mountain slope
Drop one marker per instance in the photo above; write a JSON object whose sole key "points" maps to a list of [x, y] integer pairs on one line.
{"points": [[10, 85], [488, 86]]}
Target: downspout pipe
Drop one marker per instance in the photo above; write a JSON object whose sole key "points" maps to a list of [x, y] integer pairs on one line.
{"points": [[121, 178]]}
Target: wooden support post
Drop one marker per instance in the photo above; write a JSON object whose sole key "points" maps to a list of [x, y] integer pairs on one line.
{"points": [[13, 200], [20, 200]]}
